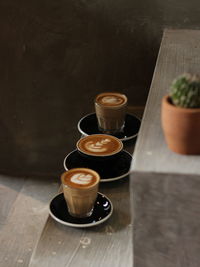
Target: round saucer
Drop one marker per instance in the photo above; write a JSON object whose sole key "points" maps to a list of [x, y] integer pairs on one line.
{"points": [[109, 170], [103, 209], [88, 125]]}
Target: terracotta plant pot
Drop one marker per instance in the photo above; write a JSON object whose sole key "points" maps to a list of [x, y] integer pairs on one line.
{"points": [[181, 128]]}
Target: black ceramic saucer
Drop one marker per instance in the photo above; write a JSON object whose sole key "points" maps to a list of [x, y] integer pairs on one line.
{"points": [[103, 209], [88, 125], [109, 169]]}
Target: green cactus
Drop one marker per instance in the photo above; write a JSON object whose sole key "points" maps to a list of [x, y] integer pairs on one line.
{"points": [[185, 91]]}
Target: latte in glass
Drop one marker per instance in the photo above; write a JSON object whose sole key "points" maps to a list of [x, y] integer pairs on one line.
{"points": [[99, 145], [80, 188], [110, 110]]}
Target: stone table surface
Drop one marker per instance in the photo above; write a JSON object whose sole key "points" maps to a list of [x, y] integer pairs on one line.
{"points": [[179, 53], [165, 186]]}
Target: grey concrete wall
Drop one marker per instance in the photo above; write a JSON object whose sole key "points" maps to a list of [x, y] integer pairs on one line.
{"points": [[55, 56]]}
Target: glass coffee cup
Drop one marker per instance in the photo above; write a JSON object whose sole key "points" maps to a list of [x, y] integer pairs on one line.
{"points": [[80, 188], [110, 108]]}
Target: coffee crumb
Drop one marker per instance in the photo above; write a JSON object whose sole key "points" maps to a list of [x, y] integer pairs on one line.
{"points": [[85, 241]]}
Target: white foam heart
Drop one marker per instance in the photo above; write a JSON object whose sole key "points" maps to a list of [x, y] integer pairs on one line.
{"points": [[111, 100], [81, 178]]}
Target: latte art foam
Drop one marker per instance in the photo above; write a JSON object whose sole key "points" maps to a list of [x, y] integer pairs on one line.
{"points": [[112, 100], [99, 146], [81, 178]]}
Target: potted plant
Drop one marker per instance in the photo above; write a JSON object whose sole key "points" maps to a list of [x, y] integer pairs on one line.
{"points": [[180, 115]]}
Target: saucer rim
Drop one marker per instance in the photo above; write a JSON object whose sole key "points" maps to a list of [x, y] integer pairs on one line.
{"points": [[122, 139], [85, 225], [102, 180]]}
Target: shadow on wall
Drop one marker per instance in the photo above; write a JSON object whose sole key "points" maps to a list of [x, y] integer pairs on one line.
{"points": [[55, 57]]}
